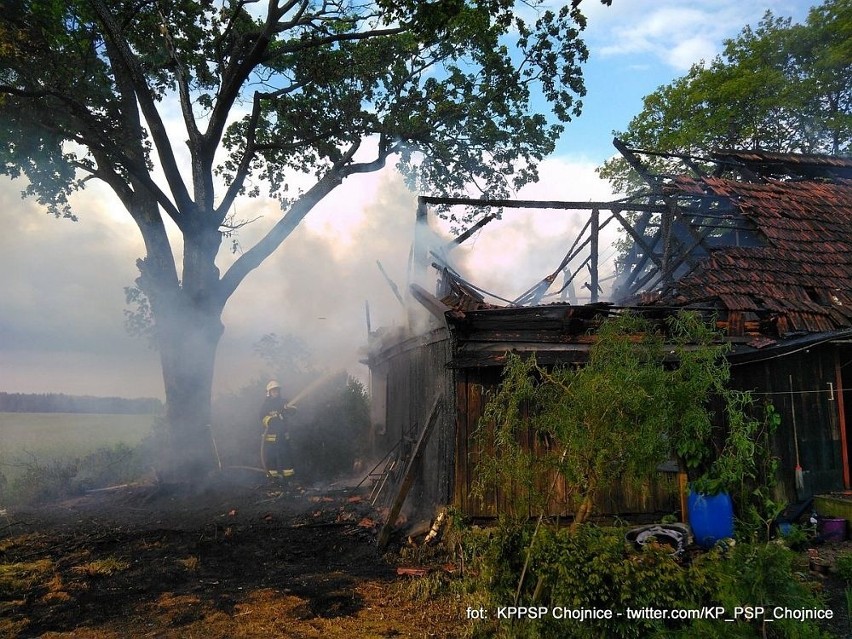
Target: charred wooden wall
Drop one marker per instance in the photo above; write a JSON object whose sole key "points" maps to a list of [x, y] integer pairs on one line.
{"points": [[411, 374], [814, 403]]}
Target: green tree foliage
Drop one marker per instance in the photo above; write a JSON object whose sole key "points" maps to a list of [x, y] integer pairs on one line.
{"points": [[642, 398], [294, 96], [778, 87]]}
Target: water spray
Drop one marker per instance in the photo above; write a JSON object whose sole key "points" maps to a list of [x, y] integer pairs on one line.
{"points": [[312, 388]]}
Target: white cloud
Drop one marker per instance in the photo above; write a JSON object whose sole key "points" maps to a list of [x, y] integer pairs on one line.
{"points": [[61, 324], [674, 34]]}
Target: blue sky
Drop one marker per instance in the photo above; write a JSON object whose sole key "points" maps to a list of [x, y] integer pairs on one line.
{"points": [[638, 45], [61, 321]]}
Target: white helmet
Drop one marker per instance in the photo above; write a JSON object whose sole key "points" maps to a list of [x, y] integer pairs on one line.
{"points": [[271, 385]]}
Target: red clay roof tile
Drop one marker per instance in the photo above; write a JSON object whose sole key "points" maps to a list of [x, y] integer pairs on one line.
{"points": [[803, 274]]}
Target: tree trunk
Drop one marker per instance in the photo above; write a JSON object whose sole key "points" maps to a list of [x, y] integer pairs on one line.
{"points": [[188, 340], [583, 511], [187, 317]]}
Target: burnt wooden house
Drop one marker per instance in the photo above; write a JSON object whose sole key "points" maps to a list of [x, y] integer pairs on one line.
{"points": [[760, 243]]}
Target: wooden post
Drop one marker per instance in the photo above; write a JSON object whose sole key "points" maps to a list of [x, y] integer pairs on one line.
{"points": [[420, 251], [841, 416], [666, 234], [408, 477], [683, 492], [593, 262]]}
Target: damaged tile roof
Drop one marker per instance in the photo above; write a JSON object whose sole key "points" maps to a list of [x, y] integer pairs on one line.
{"points": [[800, 279], [768, 163]]}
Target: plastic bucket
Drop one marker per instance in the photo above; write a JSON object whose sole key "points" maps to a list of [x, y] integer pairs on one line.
{"points": [[711, 517], [832, 529]]}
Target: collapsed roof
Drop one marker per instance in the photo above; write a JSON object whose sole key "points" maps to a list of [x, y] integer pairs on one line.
{"points": [[763, 240]]}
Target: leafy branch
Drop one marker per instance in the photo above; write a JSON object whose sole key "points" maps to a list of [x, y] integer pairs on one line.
{"points": [[647, 394]]}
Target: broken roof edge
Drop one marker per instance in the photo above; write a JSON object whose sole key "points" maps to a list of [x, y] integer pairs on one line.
{"points": [[561, 332], [654, 283], [384, 346], [745, 354]]}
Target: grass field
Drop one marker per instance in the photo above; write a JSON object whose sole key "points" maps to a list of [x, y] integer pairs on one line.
{"points": [[44, 436]]}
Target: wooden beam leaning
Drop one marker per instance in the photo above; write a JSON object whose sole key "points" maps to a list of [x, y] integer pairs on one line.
{"points": [[670, 216], [632, 255], [409, 476], [431, 303], [466, 235], [391, 283], [648, 250]]}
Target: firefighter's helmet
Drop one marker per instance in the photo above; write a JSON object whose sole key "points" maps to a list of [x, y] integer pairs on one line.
{"points": [[271, 386]]}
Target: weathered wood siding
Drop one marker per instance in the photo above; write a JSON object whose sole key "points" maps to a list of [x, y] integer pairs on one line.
{"points": [[473, 386], [412, 374], [815, 407]]}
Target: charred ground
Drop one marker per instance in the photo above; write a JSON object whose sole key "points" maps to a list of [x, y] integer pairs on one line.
{"points": [[236, 559]]}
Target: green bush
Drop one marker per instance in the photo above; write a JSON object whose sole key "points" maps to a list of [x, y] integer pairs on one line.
{"points": [[595, 569], [753, 574], [615, 419], [844, 566]]}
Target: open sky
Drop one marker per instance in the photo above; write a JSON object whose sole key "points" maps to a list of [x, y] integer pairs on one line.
{"points": [[62, 293]]}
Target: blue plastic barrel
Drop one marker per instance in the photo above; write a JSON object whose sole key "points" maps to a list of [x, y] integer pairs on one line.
{"points": [[711, 517]]}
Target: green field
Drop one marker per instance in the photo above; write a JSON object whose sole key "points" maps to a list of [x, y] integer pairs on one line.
{"points": [[44, 436]]}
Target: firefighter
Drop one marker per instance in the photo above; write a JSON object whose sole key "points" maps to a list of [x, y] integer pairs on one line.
{"points": [[276, 452]]}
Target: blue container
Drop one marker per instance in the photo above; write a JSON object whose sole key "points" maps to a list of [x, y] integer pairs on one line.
{"points": [[711, 517]]}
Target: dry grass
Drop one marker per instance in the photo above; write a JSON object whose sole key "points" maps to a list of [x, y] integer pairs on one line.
{"points": [[190, 563], [105, 567], [17, 580]]}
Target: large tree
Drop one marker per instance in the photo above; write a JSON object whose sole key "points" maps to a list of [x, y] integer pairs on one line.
{"points": [[268, 93], [778, 87]]}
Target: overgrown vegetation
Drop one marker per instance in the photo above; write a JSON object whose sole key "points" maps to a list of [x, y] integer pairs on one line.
{"points": [[593, 569], [642, 398], [648, 393]]}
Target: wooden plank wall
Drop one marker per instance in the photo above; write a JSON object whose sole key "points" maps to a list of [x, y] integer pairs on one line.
{"points": [[816, 412], [412, 378], [473, 386], [817, 426]]}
